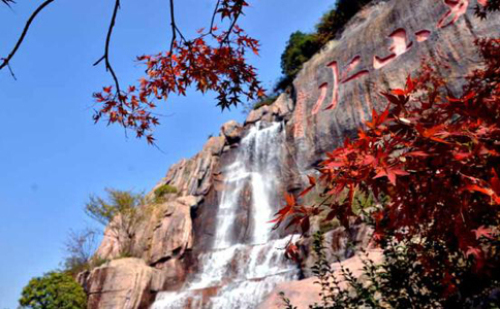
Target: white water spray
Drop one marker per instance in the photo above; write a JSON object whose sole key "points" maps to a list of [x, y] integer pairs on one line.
{"points": [[240, 275]]}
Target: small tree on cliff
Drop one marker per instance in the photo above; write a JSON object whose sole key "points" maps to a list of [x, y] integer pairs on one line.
{"points": [[80, 246], [119, 213], [53, 291]]}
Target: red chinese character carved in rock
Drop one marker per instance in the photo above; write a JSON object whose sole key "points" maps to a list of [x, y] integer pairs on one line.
{"points": [[322, 95], [350, 68], [422, 35], [298, 128], [457, 8], [399, 46]]}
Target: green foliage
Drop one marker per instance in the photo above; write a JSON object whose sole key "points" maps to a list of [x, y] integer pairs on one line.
{"points": [[335, 20], [286, 302], [163, 191], [97, 261], [302, 46], [402, 280], [53, 291], [118, 202], [120, 212]]}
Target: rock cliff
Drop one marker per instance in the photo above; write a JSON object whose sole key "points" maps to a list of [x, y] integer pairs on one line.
{"points": [[333, 94]]}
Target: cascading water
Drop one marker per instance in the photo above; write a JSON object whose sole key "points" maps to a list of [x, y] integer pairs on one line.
{"points": [[240, 275]]}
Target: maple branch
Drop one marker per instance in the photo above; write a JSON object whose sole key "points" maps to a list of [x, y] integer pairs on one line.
{"points": [[105, 57], [175, 29], [213, 17], [5, 61], [231, 27]]}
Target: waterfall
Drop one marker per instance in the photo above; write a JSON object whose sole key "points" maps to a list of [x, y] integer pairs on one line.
{"points": [[240, 274]]}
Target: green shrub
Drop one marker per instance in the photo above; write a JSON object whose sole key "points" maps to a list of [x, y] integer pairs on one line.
{"points": [[53, 291], [164, 190], [403, 281], [97, 261], [120, 212], [334, 21], [302, 46]]}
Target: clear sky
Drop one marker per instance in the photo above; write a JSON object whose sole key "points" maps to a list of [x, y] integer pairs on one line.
{"points": [[52, 156]]}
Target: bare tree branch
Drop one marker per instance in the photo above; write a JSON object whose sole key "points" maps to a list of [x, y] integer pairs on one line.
{"points": [[105, 57], [173, 25], [212, 23], [5, 61]]}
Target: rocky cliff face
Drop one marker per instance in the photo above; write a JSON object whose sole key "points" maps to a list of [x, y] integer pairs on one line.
{"points": [[334, 93]]}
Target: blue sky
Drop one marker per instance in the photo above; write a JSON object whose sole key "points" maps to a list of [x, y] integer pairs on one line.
{"points": [[52, 156]]}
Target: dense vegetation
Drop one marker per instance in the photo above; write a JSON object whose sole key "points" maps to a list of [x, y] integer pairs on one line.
{"points": [[401, 281], [54, 290], [302, 46]]}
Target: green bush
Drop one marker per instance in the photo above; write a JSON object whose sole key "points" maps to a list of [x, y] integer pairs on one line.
{"points": [[334, 21], [120, 213], [302, 46], [53, 291], [403, 281], [165, 189]]}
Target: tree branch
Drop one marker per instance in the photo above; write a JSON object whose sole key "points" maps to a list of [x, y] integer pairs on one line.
{"points": [[5, 61], [105, 57], [8, 2], [231, 27], [173, 25], [213, 16]]}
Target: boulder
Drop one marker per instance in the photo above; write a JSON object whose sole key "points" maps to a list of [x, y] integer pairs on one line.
{"points": [[122, 283], [232, 131], [257, 114], [303, 293]]}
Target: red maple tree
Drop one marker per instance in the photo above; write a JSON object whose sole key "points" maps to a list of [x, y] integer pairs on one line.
{"points": [[215, 60], [434, 157]]}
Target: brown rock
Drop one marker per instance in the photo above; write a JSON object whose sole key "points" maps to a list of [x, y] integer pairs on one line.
{"points": [[350, 74], [303, 293], [232, 131], [173, 233], [214, 145], [256, 115], [122, 283]]}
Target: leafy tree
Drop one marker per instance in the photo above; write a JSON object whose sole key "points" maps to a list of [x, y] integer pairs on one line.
{"points": [[436, 158], [214, 60], [335, 20], [119, 212], [53, 291], [302, 46]]}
